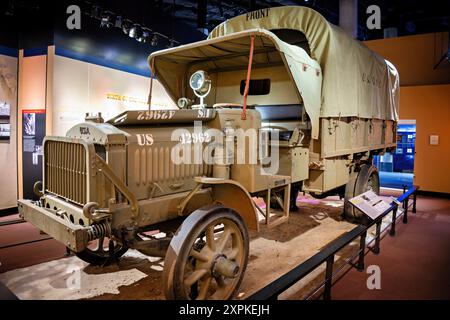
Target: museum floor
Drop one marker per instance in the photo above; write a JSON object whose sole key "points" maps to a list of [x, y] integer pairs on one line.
{"points": [[414, 264]]}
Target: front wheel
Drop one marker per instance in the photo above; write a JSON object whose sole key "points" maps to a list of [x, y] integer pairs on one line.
{"points": [[207, 257]]}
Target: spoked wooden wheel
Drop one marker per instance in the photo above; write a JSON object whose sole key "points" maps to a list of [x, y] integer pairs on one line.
{"points": [[97, 251], [207, 257]]}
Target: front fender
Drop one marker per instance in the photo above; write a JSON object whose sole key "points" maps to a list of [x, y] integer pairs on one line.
{"points": [[233, 195]]}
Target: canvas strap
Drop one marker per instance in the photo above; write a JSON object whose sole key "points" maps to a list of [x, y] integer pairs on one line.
{"points": [[247, 82]]}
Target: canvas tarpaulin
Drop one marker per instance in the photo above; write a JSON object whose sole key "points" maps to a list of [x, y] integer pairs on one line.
{"points": [[356, 81], [341, 78], [173, 67]]}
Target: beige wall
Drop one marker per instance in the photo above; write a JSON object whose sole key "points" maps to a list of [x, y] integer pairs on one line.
{"points": [[8, 155], [80, 87]]}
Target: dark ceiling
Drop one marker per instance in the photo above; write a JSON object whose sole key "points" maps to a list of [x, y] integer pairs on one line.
{"points": [[408, 16], [164, 16]]}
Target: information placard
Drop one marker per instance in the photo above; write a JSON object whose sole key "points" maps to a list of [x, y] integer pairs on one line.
{"points": [[33, 133], [370, 204]]}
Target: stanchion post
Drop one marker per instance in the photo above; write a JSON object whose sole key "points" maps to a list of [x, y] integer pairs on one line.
{"points": [[376, 248], [405, 214], [328, 278], [404, 191], [394, 219], [362, 247]]}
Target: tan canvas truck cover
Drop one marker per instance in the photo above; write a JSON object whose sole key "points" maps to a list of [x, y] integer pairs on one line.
{"points": [[341, 78], [173, 67]]}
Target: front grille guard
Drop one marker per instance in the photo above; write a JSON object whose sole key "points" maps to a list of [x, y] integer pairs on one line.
{"points": [[94, 166], [67, 170]]}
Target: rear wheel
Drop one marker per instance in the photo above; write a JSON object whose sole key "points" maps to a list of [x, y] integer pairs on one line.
{"points": [[207, 257], [364, 180]]}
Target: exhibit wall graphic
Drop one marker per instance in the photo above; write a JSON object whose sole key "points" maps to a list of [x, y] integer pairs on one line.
{"points": [[8, 144], [80, 87], [33, 133], [32, 95]]}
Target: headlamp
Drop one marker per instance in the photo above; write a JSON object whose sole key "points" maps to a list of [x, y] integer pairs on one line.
{"points": [[200, 82]]}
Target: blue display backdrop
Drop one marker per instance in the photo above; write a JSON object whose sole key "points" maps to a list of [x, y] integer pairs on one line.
{"points": [[397, 170], [404, 154]]}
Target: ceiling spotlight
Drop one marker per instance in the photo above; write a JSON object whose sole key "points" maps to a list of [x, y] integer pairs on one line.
{"points": [[106, 20], [145, 35], [118, 23], [154, 41], [135, 31], [126, 26]]}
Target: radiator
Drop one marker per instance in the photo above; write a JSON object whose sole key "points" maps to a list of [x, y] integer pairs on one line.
{"points": [[65, 170]]}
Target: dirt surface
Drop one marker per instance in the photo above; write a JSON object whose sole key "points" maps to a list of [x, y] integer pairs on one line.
{"points": [[273, 252], [148, 288], [313, 226]]}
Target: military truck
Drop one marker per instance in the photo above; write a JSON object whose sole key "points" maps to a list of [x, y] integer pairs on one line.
{"points": [[303, 106]]}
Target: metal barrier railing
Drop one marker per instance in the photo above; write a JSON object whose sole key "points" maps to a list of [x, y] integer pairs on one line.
{"points": [[326, 255]]}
